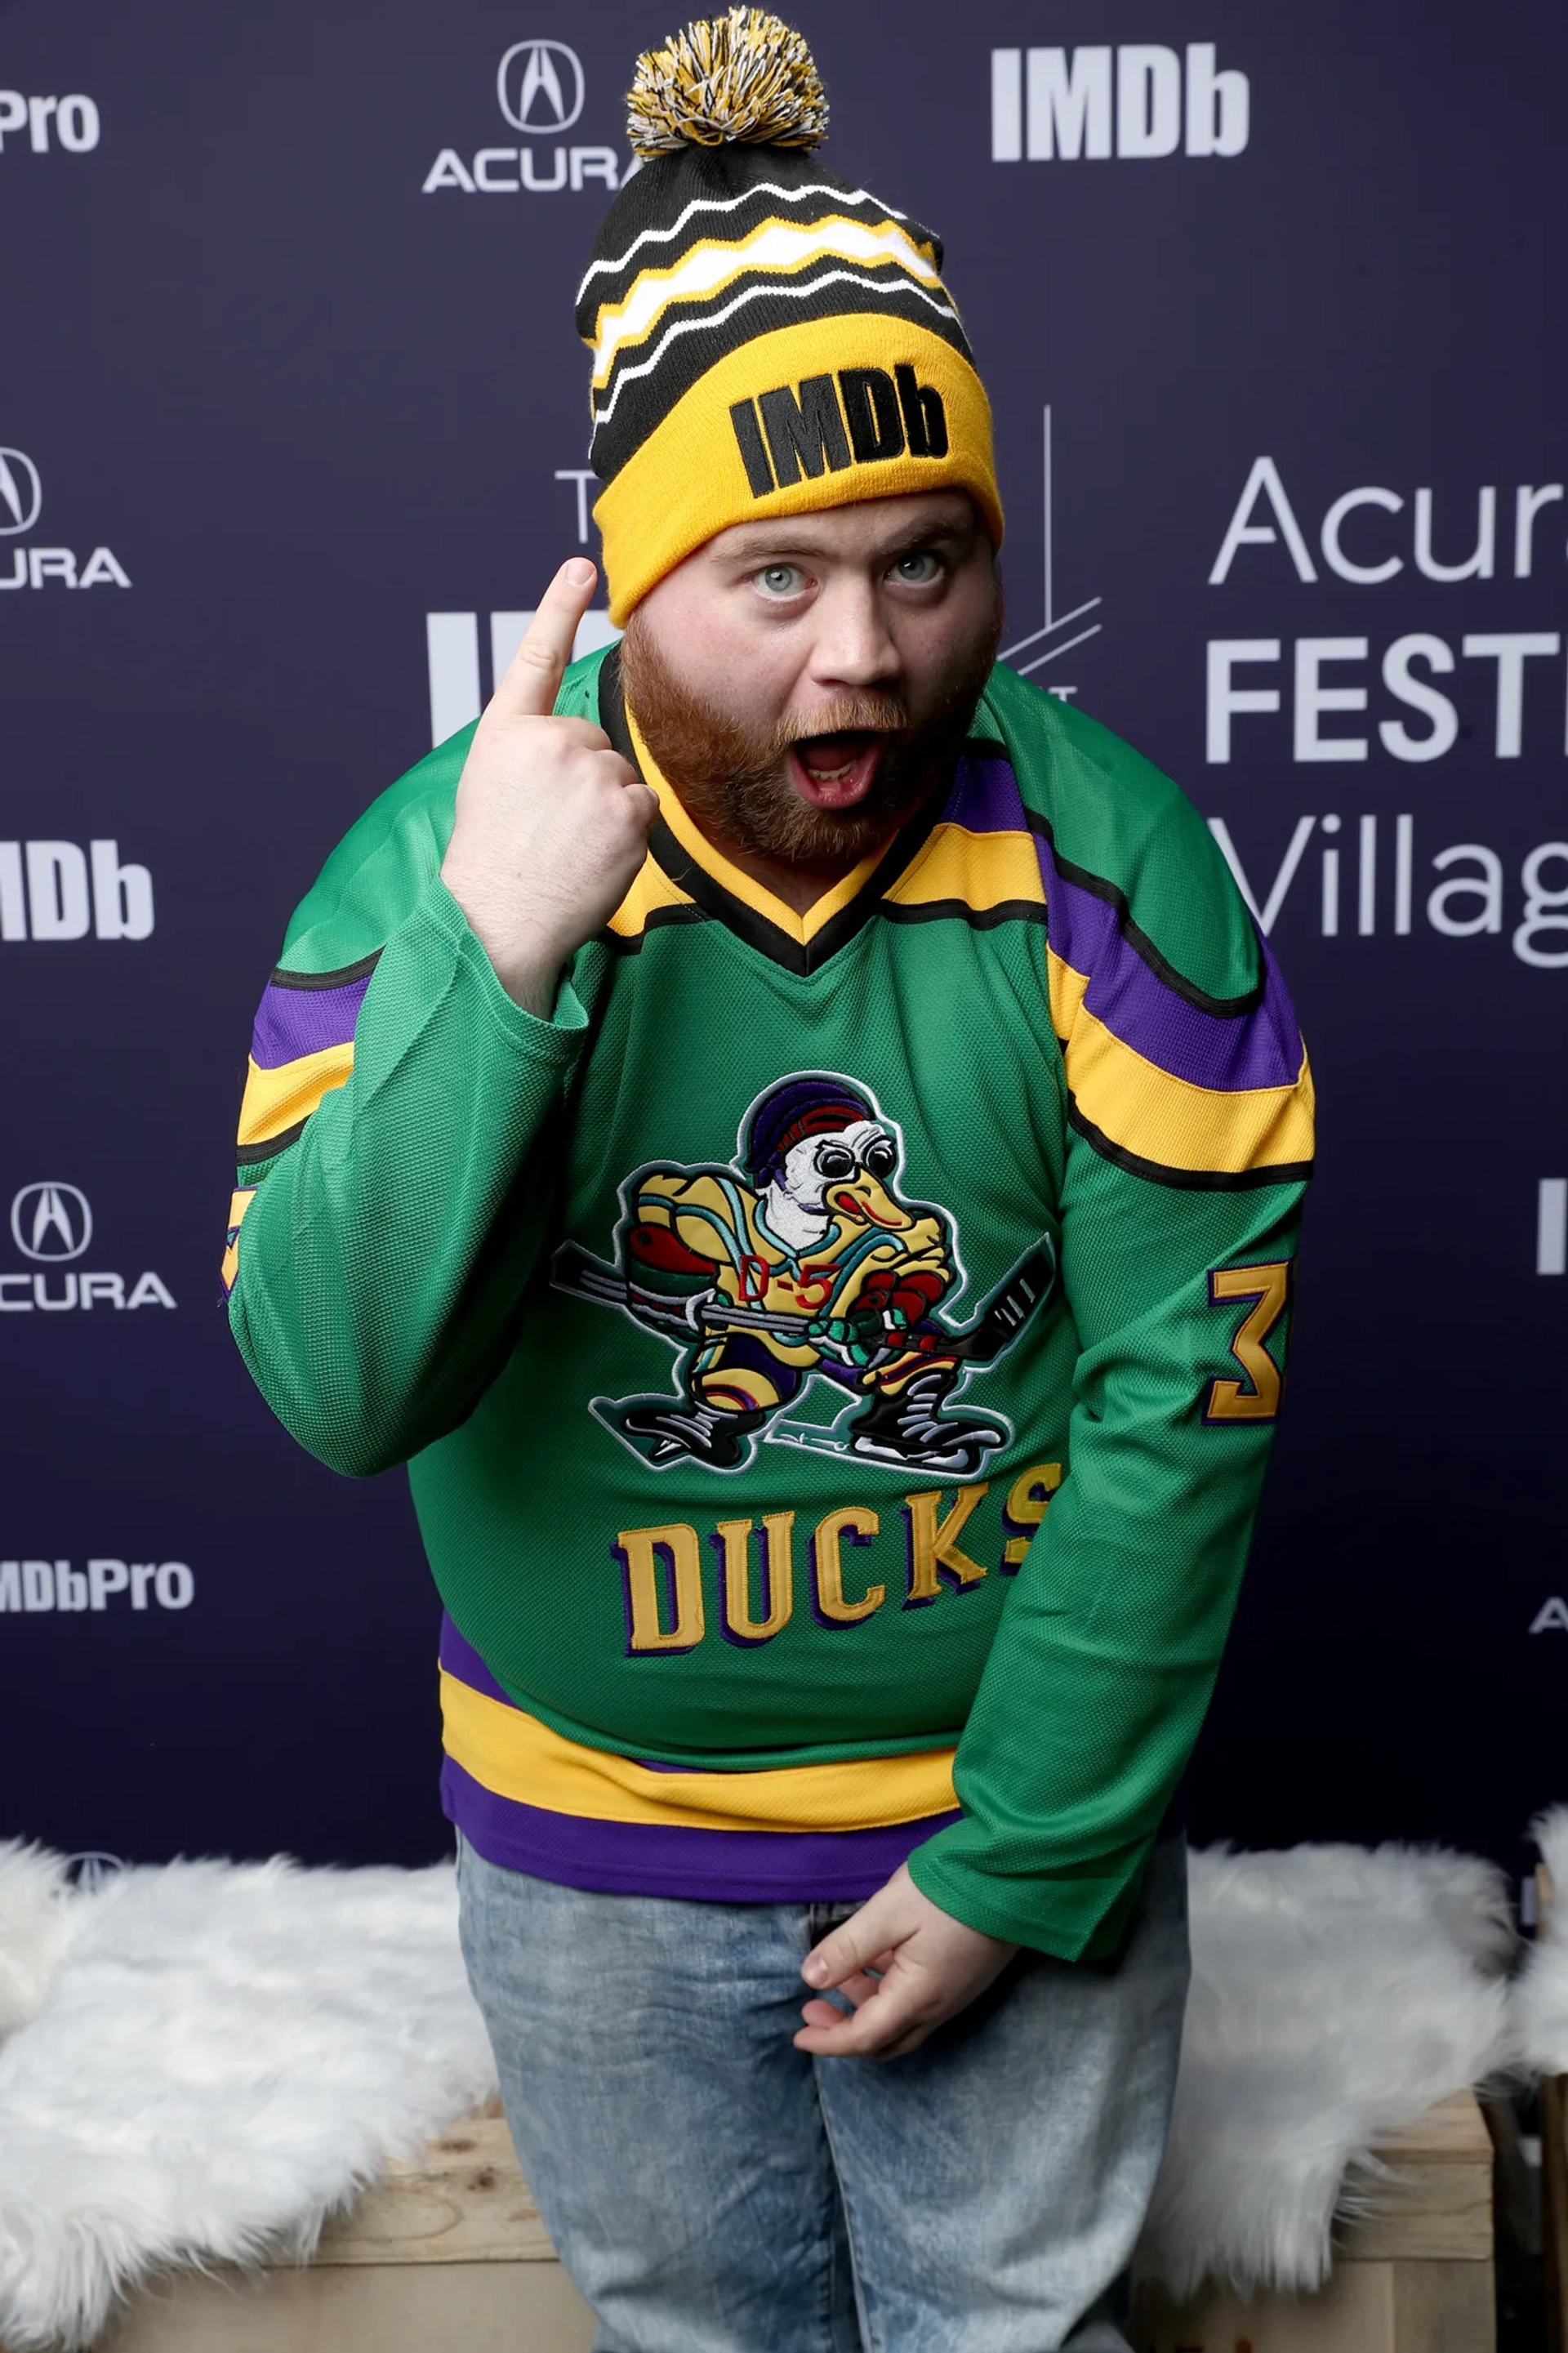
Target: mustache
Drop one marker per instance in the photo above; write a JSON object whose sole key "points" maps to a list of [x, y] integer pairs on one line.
{"points": [[870, 714]]}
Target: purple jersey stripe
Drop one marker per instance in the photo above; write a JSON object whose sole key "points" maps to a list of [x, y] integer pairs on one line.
{"points": [[985, 798], [651, 1859], [459, 1658], [294, 1022], [1226, 1052], [1223, 1051]]}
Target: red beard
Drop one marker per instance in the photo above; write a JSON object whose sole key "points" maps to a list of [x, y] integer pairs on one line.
{"points": [[733, 775]]}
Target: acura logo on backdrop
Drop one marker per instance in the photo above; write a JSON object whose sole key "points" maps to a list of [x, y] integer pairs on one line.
{"points": [[51, 1222], [540, 86], [21, 502], [21, 492]]}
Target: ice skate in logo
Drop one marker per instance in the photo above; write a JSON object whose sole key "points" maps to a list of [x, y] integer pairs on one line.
{"points": [[801, 1260]]}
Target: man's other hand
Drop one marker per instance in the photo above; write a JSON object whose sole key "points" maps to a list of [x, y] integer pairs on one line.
{"points": [[552, 824], [905, 1964]]}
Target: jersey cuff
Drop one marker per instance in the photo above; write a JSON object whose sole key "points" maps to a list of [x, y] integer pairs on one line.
{"points": [[1069, 1919], [557, 1041]]}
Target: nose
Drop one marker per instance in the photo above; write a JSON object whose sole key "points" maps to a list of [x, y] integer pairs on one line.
{"points": [[852, 646]]}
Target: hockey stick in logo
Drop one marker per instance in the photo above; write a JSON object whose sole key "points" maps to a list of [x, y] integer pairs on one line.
{"points": [[990, 1332], [581, 1275]]}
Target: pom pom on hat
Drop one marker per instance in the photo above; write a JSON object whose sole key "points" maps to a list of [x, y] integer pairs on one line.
{"points": [[744, 78]]}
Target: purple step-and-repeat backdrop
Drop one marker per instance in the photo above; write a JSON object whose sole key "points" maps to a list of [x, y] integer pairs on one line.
{"points": [[292, 426]]}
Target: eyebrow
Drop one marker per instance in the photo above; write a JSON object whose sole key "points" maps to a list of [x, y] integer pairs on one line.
{"points": [[906, 544]]}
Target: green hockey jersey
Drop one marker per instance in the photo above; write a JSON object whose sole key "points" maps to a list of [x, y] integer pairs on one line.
{"points": [[836, 1355]]}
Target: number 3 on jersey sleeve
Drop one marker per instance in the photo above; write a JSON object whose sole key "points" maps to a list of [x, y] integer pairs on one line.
{"points": [[1258, 1398]]}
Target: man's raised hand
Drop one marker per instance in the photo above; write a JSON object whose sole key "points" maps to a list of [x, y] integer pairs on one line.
{"points": [[552, 824]]}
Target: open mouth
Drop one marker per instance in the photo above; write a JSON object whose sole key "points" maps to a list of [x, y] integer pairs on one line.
{"points": [[836, 772]]}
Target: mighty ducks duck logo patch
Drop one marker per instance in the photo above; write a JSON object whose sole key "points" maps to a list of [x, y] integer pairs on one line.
{"points": [[801, 1260]]}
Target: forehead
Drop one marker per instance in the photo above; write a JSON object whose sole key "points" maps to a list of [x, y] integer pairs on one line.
{"points": [[862, 532]]}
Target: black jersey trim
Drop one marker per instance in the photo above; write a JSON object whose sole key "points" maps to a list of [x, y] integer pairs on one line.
{"points": [[656, 920], [613, 706], [1227, 1008], [979, 918], [1185, 1180], [250, 1155], [282, 977]]}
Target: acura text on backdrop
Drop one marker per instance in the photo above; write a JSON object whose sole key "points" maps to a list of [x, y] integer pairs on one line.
{"points": [[51, 1225], [540, 91], [38, 567], [1313, 691]]}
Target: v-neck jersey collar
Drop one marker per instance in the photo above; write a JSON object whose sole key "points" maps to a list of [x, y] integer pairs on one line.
{"points": [[801, 942]]}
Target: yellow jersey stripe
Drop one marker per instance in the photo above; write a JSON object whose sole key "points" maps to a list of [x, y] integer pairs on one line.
{"points": [[652, 888], [981, 869], [277, 1100], [1169, 1121], [516, 1756]]}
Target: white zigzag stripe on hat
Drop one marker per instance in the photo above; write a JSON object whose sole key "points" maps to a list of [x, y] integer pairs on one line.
{"points": [[732, 204], [773, 289], [778, 246]]}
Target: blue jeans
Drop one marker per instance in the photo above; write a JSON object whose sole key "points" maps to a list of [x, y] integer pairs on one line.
{"points": [[713, 2190]]}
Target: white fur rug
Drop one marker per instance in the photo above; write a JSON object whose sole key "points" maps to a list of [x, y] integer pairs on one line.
{"points": [[32, 1929], [206, 2059], [225, 2053], [1541, 1994], [1337, 1993]]}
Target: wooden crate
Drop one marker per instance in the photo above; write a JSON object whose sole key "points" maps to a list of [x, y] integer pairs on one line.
{"points": [[1417, 2279], [451, 2253], [446, 2254]]}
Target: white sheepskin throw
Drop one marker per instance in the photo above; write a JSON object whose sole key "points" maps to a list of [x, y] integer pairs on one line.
{"points": [[1336, 1994], [227, 2053], [208, 2058], [1541, 1996], [32, 1929]]}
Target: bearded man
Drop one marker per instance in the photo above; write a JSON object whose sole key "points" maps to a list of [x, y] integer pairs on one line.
{"points": [[792, 1136]]}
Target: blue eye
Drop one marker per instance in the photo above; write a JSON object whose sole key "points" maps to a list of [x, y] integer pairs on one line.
{"points": [[917, 569], [781, 580]]}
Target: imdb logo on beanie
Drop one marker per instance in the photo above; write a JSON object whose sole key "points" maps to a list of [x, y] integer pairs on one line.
{"points": [[801, 428], [767, 338]]}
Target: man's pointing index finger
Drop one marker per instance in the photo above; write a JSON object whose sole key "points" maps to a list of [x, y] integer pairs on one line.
{"points": [[534, 676]]}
